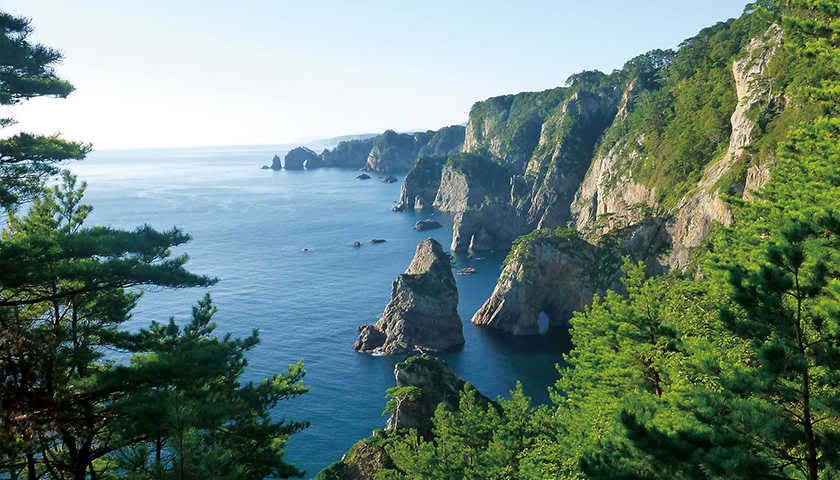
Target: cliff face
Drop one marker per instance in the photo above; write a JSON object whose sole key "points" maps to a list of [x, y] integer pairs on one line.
{"points": [[396, 152], [557, 272], [611, 193], [620, 188], [392, 152], [348, 154], [608, 151], [423, 312], [421, 184], [299, 157], [703, 207], [389, 152]]}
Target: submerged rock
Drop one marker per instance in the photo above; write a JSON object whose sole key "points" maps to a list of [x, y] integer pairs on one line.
{"points": [[378, 240], [363, 176], [427, 225], [389, 179], [467, 271], [265, 167], [423, 312], [356, 244]]}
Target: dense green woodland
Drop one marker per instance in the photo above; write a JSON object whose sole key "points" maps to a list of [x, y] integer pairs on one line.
{"points": [[728, 370]]}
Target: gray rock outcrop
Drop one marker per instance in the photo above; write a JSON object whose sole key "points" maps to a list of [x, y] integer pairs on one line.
{"points": [[427, 225], [348, 154], [422, 314], [421, 184], [396, 152], [297, 158], [558, 273], [703, 207], [276, 163], [438, 384], [546, 276], [420, 203], [392, 152]]}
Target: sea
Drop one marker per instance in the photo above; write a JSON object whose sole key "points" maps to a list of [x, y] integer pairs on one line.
{"points": [[280, 244]]}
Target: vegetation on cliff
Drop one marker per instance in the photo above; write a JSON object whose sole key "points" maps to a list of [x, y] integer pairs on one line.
{"points": [[732, 374]]}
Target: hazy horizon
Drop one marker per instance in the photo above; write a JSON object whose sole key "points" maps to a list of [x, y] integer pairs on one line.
{"points": [[192, 74]]}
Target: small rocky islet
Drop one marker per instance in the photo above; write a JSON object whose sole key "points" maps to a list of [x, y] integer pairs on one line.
{"points": [[422, 315]]}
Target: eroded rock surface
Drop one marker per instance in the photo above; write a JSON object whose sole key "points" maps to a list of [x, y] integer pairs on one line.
{"points": [[297, 158], [558, 273], [423, 312], [276, 163]]}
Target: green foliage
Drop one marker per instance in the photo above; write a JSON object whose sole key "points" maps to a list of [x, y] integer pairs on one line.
{"points": [[27, 71], [516, 121], [398, 395], [425, 172], [446, 141], [68, 408], [773, 415], [185, 414], [522, 246], [477, 442], [679, 107]]}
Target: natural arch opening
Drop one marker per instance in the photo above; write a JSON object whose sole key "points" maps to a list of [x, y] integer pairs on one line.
{"points": [[543, 323]]}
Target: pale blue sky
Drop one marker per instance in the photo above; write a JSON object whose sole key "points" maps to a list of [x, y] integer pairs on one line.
{"points": [[158, 73]]}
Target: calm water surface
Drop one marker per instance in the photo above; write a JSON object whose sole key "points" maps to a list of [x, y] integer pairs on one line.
{"points": [[250, 228]]}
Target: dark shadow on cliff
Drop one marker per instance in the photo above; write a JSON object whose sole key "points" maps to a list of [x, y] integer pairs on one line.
{"points": [[555, 340]]}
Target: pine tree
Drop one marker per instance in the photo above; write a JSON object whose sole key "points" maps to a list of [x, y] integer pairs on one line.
{"points": [[61, 305], [27, 71], [186, 414]]}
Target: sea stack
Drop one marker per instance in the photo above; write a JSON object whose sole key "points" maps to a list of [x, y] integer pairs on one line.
{"points": [[423, 312]]}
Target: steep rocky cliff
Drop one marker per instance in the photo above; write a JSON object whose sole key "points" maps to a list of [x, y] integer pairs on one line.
{"points": [[423, 312], [665, 136], [421, 184], [297, 158], [348, 154], [396, 152], [390, 151], [557, 273], [662, 174], [611, 193]]}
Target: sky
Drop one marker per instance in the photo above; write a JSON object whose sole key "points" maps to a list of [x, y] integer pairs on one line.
{"points": [[162, 73]]}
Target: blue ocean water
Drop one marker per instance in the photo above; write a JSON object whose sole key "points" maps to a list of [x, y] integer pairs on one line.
{"points": [[250, 229]]}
